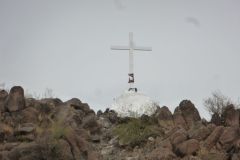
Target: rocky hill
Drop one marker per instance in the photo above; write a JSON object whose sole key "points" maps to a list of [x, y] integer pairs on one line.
{"points": [[50, 129]]}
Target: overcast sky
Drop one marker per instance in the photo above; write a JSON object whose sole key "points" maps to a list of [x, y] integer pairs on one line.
{"points": [[65, 46]]}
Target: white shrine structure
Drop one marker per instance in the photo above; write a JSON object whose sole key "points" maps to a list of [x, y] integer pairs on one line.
{"points": [[132, 103]]}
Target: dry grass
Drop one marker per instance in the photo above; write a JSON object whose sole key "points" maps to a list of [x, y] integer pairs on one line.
{"points": [[49, 139], [135, 132]]}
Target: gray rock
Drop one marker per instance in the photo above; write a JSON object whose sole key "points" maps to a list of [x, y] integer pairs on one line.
{"points": [[95, 138], [178, 137], [213, 137], [3, 97], [229, 136], [189, 112], [24, 129], [30, 151], [164, 118], [15, 100], [107, 150], [199, 132], [231, 116], [188, 147], [161, 154]]}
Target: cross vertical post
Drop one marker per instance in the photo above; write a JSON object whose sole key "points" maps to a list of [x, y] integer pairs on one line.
{"points": [[131, 47], [130, 73]]}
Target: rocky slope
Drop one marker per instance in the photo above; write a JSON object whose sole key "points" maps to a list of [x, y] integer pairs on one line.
{"points": [[50, 129]]}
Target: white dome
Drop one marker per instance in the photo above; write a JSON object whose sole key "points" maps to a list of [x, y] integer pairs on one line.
{"points": [[133, 104]]}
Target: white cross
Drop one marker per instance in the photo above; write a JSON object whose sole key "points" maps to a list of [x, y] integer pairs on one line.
{"points": [[131, 47]]}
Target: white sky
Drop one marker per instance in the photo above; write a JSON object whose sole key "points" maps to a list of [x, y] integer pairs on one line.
{"points": [[65, 46]]}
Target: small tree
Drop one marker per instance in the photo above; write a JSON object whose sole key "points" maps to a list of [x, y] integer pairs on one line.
{"points": [[2, 86], [217, 103], [48, 93]]}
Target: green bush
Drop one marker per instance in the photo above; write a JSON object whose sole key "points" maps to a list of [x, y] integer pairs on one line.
{"points": [[135, 131]]}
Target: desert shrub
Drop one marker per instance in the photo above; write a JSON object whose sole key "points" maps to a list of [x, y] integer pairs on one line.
{"points": [[4, 87], [43, 108], [135, 131], [217, 103], [49, 139], [50, 148], [48, 93], [59, 130]]}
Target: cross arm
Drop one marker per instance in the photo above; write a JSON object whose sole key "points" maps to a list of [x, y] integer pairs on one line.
{"points": [[142, 48], [134, 48], [120, 47]]}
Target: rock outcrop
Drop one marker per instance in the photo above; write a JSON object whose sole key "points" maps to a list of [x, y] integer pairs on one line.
{"points": [[189, 112], [3, 97], [161, 154], [189, 147], [231, 116], [178, 119], [164, 118], [213, 138], [15, 100], [44, 129]]}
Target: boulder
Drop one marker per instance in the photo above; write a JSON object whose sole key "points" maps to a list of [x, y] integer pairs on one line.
{"points": [[79, 146], [163, 143], [178, 137], [229, 136], [4, 155], [29, 115], [53, 102], [99, 113], [111, 115], [178, 119], [8, 146], [5, 131], [94, 156], [74, 102], [15, 100], [164, 118], [3, 97], [191, 158], [214, 156], [235, 156], [95, 138], [90, 123], [69, 115], [231, 116], [189, 147], [211, 127], [189, 112], [25, 128], [105, 151], [105, 122], [213, 137], [161, 154], [70, 145], [77, 104], [65, 150], [30, 102], [199, 132], [28, 151]]}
